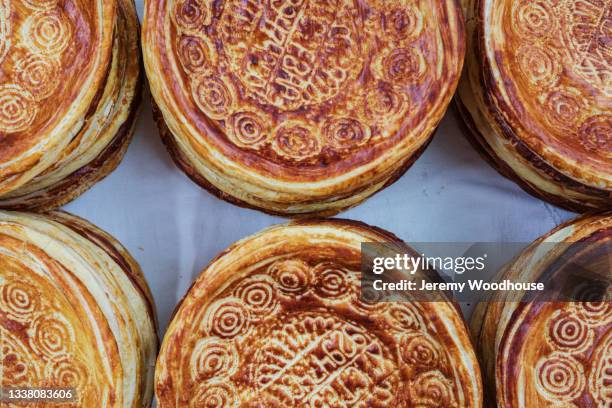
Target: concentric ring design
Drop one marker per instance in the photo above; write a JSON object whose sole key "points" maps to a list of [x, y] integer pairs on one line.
{"points": [[278, 320], [75, 312], [50, 41], [552, 350], [536, 95], [300, 107]]}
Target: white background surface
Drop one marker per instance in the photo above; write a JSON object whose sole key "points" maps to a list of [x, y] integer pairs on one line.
{"points": [[174, 228]]}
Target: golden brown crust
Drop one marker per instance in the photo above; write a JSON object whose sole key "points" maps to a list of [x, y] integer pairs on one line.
{"points": [[182, 163], [311, 110], [478, 142], [543, 352], [78, 182], [556, 63], [75, 312], [114, 249], [104, 136], [539, 105], [272, 308], [46, 44]]}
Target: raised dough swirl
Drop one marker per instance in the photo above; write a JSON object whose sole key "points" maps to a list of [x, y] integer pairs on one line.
{"points": [[101, 137], [536, 96], [278, 320], [549, 352], [75, 312], [299, 107]]}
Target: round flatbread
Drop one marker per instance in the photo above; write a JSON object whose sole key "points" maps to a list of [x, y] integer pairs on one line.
{"points": [[540, 351], [299, 107], [55, 57], [99, 146], [75, 312], [537, 95], [277, 320]]}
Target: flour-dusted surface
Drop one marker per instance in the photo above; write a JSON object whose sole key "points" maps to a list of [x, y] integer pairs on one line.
{"points": [[174, 228]]}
